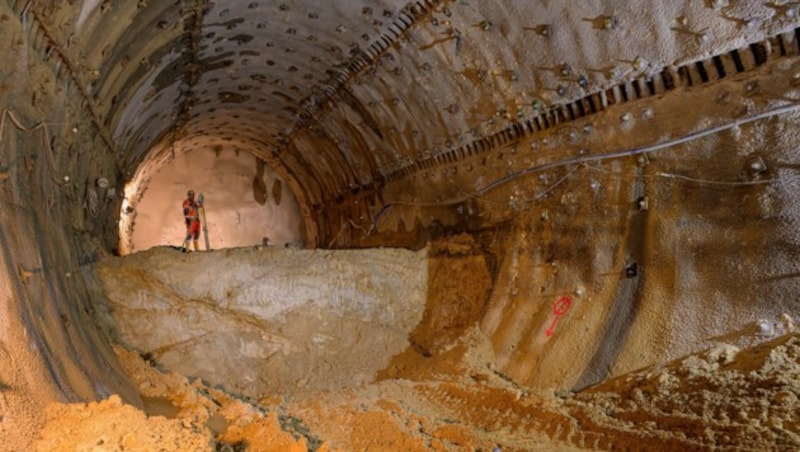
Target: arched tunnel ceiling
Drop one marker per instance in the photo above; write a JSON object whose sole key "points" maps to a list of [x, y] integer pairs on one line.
{"points": [[338, 96]]}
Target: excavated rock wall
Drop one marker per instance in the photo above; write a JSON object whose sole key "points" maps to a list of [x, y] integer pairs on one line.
{"points": [[266, 321]]}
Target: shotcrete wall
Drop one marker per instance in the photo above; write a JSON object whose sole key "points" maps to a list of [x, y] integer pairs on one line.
{"points": [[50, 158]]}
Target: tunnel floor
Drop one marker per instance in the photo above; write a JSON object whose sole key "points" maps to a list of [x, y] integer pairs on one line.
{"points": [[421, 394]]}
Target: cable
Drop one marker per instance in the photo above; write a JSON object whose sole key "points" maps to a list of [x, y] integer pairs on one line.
{"points": [[593, 158], [477, 195], [536, 197], [720, 182], [18, 124], [696, 180]]}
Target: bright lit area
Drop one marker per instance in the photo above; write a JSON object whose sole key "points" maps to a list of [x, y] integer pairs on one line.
{"points": [[244, 203]]}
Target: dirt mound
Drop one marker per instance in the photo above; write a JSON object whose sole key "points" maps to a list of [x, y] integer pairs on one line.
{"points": [[721, 397]]}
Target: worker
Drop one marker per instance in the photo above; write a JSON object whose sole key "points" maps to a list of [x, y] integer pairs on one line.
{"points": [[191, 213]]}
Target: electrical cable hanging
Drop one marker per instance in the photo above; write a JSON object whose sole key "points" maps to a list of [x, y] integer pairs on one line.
{"points": [[582, 160]]}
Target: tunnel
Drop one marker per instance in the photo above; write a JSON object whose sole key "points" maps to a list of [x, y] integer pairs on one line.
{"points": [[427, 225]]}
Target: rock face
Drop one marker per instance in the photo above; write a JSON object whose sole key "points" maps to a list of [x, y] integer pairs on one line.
{"points": [[240, 210], [267, 320]]}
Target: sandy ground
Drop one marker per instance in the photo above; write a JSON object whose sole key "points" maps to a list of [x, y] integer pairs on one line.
{"points": [[724, 397]]}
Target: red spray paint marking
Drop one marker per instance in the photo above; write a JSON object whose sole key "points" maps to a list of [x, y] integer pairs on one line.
{"points": [[560, 307]]}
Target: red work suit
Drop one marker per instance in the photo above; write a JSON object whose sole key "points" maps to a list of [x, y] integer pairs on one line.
{"points": [[192, 216]]}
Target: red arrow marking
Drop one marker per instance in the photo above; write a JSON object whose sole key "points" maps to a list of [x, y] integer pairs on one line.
{"points": [[552, 328], [560, 307]]}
